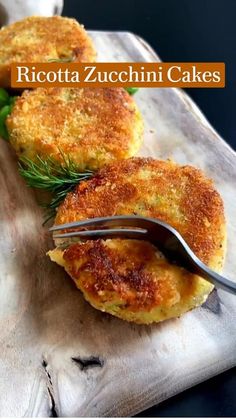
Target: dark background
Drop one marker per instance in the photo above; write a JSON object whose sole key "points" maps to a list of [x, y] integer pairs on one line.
{"points": [[179, 30], [183, 30]]}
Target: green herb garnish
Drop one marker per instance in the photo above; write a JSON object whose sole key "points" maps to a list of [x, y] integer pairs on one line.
{"points": [[51, 176], [4, 97], [131, 90], [4, 112], [60, 60], [6, 105]]}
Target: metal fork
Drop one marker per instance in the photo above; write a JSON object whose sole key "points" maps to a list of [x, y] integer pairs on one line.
{"points": [[159, 233]]}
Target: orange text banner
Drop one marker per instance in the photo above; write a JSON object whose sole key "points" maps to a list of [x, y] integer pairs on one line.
{"points": [[61, 74]]}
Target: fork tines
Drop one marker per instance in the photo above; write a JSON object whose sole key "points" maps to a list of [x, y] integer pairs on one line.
{"points": [[107, 224]]}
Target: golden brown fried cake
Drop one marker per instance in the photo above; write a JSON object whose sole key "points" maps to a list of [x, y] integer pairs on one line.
{"points": [[90, 126], [130, 279], [40, 39]]}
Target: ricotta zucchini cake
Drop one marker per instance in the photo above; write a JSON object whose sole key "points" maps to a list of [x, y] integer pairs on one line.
{"points": [[92, 126], [130, 279], [41, 39]]}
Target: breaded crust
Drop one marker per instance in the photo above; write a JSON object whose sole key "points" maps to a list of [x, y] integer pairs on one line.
{"points": [[130, 279], [91, 126], [40, 39]]}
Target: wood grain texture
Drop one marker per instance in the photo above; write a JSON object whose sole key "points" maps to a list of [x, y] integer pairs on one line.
{"points": [[60, 356]]}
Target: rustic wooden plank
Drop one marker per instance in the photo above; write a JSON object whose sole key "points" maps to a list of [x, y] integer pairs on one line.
{"points": [[61, 356], [13, 10]]}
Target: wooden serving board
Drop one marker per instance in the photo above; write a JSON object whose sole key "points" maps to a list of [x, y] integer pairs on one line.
{"points": [[60, 356]]}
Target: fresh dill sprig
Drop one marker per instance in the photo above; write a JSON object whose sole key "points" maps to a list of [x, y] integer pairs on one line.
{"points": [[51, 176]]}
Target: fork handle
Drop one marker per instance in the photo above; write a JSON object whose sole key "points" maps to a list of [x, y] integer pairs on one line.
{"points": [[180, 253], [218, 280]]}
